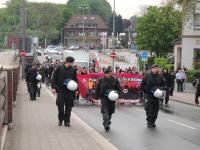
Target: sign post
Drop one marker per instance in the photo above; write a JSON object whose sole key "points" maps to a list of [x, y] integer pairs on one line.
{"points": [[144, 56], [113, 56]]}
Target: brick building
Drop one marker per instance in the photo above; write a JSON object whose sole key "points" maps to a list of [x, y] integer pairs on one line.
{"points": [[94, 28]]}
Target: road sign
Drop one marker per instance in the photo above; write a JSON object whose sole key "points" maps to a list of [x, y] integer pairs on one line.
{"points": [[113, 55], [23, 53], [144, 54]]}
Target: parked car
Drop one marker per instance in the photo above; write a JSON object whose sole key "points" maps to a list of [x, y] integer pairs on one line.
{"points": [[39, 52], [74, 47]]}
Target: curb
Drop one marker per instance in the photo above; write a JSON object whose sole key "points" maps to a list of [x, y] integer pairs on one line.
{"points": [[96, 136], [178, 101]]}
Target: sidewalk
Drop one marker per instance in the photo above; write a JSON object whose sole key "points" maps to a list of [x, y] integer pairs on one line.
{"points": [[35, 127], [183, 97]]}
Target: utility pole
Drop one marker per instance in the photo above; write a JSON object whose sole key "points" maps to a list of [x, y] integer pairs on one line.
{"points": [[14, 21], [61, 36], [14, 30], [23, 23], [83, 15], [113, 36]]}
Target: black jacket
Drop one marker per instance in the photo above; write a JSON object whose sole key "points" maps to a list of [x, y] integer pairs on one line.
{"points": [[31, 76], [167, 79], [150, 83], [106, 84], [60, 75]]}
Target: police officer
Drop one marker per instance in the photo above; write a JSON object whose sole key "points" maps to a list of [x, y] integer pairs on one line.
{"points": [[167, 81], [32, 81], [104, 86], [196, 82], [65, 97], [150, 83]]}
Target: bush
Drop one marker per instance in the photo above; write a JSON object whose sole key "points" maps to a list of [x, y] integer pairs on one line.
{"points": [[141, 64], [161, 62], [196, 65], [151, 60], [170, 67], [189, 74]]}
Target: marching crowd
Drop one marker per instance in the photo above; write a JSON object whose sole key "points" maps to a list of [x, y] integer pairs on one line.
{"points": [[157, 85]]}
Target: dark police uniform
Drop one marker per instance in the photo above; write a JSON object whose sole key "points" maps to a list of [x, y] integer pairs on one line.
{"points": [[32, 83], [107, 107], [196, 81], [167, 81], [150, 83], [65, 97]]}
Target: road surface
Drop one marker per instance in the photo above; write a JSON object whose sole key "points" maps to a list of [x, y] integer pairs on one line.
{"points": [[178, 127]]}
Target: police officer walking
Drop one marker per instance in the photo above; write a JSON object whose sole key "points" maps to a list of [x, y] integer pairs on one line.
{"points": [[108, 90], [32, 81], [64, 83], [196, 82], [152, 85], [167, 81]]}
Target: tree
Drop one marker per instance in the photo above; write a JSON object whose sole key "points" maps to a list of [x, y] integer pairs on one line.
{"points": [[158, 28], [119, 26], [99, 7]]}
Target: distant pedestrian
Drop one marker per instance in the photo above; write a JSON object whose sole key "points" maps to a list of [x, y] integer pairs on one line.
{"points": [[171, 88], [167, 81], [179, 80], [32, 81]]}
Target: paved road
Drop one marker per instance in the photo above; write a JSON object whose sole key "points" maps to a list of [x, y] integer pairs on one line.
{"points": [[104, 60], [177, 127]]}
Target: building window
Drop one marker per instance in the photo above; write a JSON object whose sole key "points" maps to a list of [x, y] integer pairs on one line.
{"points": [[197, 21], [196, 58]]}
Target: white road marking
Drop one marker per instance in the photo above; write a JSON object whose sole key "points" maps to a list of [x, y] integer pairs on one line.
{"points": [[182, 124], [141, 110]]}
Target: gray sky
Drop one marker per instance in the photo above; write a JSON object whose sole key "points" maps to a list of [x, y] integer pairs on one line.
{"points": [[126, 8]]}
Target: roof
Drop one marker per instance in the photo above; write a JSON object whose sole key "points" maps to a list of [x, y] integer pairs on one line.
{"points": [[88, 18]]}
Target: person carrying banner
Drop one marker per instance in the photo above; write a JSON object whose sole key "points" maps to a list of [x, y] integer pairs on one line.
{"points": [[108, 90], [152, 85], [64, 83]]}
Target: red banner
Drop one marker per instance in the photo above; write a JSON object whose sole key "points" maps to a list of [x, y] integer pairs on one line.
{"points": [[129, 83]]}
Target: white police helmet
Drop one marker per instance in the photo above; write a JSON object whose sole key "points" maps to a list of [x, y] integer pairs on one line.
{"points": [[72, 85], [159, 93], [39, 77], [113, 95]]}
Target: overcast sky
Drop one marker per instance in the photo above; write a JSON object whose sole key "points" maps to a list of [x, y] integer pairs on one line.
{"points": [[126, 8]]}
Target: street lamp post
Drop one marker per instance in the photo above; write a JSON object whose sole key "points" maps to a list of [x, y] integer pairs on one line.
{"points": [[83, 26], [113, 36]]}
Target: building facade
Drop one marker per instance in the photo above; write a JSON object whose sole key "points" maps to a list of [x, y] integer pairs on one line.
{"points": [[187, 49], [92, 29]]}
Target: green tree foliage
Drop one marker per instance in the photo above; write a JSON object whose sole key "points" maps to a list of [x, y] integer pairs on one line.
{"points": [[100, 7], [44, 20], [119, 25], [158, 28]]}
